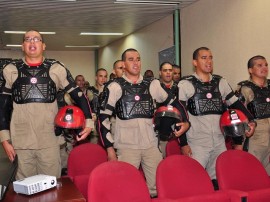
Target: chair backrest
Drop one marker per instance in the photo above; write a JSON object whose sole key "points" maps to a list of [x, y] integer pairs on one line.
{"points": [[117, 181], [173, 147], [181, 176], [84, 158], [8, 175], [240, 170]]}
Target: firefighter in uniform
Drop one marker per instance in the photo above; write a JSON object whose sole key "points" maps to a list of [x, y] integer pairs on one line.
{"points": [[167, 83], [205, 94], [30, 87], [131, 97], [256, 96]]}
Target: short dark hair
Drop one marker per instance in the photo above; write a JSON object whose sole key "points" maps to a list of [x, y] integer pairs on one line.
{"points": [[162, 64], [196, 52], [251, 61], [116, 62], [176, 66], [33, 30], [78, 76], [148, 74], [100, 69], [123, 57]]}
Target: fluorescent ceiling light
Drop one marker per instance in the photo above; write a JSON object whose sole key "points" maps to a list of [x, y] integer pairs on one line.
{"points": [[101, 34], [166, 3], [94, 46], [23, 32], [13, 45]]}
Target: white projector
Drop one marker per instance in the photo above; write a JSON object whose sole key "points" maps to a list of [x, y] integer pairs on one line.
{"points": [[34, 184]]}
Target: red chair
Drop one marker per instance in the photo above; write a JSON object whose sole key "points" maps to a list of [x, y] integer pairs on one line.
{"points": [[173, 147], [81, 161], [239, 170], [84, 158], [182, 178], [117, 181]]}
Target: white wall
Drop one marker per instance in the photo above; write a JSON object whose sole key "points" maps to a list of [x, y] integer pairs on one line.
{"points": [[235, 30], [148, 41], [78, 62]]}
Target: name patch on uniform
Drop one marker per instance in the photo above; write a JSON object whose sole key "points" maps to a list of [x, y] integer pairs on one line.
{"points": [[33, 80], [137, 97], [209, 95]]}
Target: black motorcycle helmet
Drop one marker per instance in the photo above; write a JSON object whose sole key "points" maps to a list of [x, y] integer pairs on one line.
{"points": [[165, 119]]}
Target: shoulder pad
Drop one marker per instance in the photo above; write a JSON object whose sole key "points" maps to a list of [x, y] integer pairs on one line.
{"points": [[216, 76], [121, 81], [108, 82], [242, 83], [189, 77], [53, 61], [16, 61], [268, 82]]}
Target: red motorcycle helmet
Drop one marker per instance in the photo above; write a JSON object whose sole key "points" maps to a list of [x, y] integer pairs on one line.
{"points": [[70, 117], [165, 119], [233, 123]]}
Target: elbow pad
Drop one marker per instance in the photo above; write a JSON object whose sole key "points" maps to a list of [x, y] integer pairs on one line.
{"points": [[103, 131], [5, 111], [78, 96]]}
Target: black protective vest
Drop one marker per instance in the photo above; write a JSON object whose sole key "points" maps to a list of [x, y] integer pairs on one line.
{"points": [[260, 105], [172, 91], [136, 101], [33, 84], [207, 98]]}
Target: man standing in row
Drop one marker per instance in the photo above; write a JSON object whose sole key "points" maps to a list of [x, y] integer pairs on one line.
{"points": [[170, 86], [132, 98], [205, 94], [30, 87], [256, 94]]}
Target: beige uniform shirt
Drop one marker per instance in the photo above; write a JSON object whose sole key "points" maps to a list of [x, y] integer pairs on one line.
{"points": [[32, 124], [134, 133]]}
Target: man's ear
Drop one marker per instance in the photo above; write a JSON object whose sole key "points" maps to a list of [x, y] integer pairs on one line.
{"points": [[44, 46], [250, 70], [194, 62], [22, 48]]}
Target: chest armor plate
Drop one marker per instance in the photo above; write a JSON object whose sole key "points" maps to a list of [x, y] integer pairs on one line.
{"points": [[136, 101], [260, 105], [33, 84], [207, 98]]}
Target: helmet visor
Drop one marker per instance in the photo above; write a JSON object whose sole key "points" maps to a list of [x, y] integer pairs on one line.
{"points": [[235, 130]]}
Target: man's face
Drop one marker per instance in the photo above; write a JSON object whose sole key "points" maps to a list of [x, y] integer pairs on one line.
{"points": [[80, 81], [118, 69], [204, 62], [33, 46], [176, 74], [132, 63], [166, 73], [259, 69], [101, 77]]}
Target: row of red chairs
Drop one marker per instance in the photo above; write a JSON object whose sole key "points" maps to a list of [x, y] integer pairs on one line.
{"points": [[179, 178]]}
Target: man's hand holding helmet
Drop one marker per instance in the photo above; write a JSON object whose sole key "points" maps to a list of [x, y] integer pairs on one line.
{"points": [[72, 117], [182, 128], [234, 123], [169, 123]]}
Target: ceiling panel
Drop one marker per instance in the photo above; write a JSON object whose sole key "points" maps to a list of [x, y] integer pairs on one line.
{"points": [[69, 18]]}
